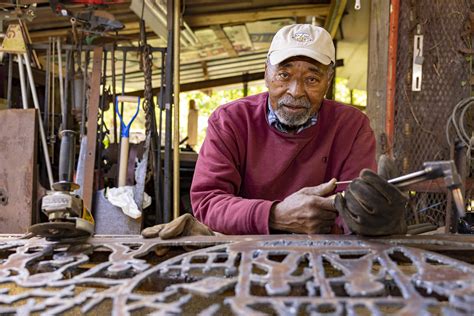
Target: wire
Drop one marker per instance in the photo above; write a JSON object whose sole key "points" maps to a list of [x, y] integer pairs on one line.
{"points": [[458, 121]]}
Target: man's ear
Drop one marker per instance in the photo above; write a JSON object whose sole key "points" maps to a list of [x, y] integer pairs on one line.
{"points": [[330, 76]]}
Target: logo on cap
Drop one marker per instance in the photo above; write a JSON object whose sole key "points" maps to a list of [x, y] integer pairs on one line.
{"points": [[302, 37]]}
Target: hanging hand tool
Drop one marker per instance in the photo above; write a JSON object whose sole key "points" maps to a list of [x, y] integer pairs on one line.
{"points": [[68, 218], [434, 170], [91, 20], [125, 133]]}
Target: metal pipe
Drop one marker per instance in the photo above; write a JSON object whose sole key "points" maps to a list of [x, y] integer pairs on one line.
{"points": [[391, 73], [114, 92], [53, 98], [84, 88], [191, 34], [176, 44], [61, 86], [168, 187], [9, 83], [47, 86], [21, 71], [40, 121]]}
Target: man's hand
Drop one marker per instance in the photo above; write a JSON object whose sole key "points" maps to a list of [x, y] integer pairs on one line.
{"points": [[306, 211], [373, 207], [185, 225]]}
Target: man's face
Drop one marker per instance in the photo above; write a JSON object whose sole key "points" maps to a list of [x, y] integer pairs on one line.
{"points": [[296, 87]]}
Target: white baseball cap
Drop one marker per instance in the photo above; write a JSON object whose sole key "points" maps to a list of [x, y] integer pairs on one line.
{"points": [[302, 40]]}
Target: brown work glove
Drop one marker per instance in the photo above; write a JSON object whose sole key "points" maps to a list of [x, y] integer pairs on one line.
{"points": [[185, 225], [371, 206]]}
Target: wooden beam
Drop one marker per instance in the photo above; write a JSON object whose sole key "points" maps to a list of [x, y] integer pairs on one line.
{"points": [[251, 16], [206, 84], [334, 17], [222, 37], [89, 168], [377, 72]]}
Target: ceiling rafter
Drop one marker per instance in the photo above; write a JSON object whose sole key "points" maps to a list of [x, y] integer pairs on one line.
{"points": [[241, 17]]}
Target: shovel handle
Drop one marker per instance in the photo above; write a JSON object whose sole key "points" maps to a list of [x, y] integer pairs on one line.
{"points": [[123, 162]]}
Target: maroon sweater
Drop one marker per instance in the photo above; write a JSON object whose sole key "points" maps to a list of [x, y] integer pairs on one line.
{"points": [[245, 165]]}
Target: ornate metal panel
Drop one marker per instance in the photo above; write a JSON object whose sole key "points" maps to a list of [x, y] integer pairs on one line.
{"points": [[284, 275]]}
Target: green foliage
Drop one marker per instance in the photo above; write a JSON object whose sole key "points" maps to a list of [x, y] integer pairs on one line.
{"points": [[342, 91], [344, 94]]}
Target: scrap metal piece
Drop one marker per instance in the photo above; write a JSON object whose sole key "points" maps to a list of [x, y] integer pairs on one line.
{"points": [[238, 275], [417, 61], [13, 42]]}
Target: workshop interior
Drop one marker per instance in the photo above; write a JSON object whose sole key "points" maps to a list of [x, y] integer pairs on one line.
{"points": [[103, 110]]}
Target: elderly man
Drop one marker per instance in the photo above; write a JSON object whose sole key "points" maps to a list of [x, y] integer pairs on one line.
{"points": [[269, 162]]}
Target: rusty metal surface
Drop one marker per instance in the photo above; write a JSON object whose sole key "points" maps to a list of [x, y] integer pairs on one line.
{"points": [[285, 275], [421, 116], [17, 169]]}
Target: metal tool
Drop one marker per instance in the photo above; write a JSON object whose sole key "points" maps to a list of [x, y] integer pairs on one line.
{"points": [[125, 133], [433, 170], [68, 218]]}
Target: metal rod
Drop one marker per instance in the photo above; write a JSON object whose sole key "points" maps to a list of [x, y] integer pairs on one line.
{"points": [[176, 173], [167, 195], [52, 139], [343, 182], [106, 48], [40, 122], [67, 89], [21, 71], [47, 86], [412, 178], [114, 93], [158, 161], [84, 104], [9, 83], [61, 86]]}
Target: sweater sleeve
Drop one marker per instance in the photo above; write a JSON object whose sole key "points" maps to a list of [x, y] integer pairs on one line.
{"points": [[361, 155], [216, 184]]}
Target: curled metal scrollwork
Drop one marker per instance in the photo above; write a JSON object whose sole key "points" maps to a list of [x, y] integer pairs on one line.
{"points": [[294, 275]]}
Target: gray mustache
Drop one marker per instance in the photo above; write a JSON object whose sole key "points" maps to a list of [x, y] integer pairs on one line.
{"points": [[289, 100]]}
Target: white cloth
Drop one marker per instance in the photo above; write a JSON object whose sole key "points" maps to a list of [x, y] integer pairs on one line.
{"points": [[123, 197]]}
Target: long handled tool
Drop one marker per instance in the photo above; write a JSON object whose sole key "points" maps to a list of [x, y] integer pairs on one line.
{"points": [[125, 134], [433, 170]]}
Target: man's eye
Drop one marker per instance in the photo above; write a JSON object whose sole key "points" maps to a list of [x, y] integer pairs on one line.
{"points": [[283, 75], [312, 80]]}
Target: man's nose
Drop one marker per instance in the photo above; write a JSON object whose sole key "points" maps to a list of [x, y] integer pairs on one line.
{"points": [[296, 89]]}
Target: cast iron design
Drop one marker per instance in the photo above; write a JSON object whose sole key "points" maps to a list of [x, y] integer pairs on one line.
{"points": [[294, 275]]}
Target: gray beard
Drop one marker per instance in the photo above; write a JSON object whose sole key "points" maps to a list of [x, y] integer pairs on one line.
{"points": [[292, 119]]}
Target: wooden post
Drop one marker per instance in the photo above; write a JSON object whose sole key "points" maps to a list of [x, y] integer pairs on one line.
{"points": [[378, 67], [193, 116], [88, 184]]}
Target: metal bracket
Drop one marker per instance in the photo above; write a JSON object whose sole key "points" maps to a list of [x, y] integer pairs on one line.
{"points": [[3, 197], [417, 61], [14, 42]]}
